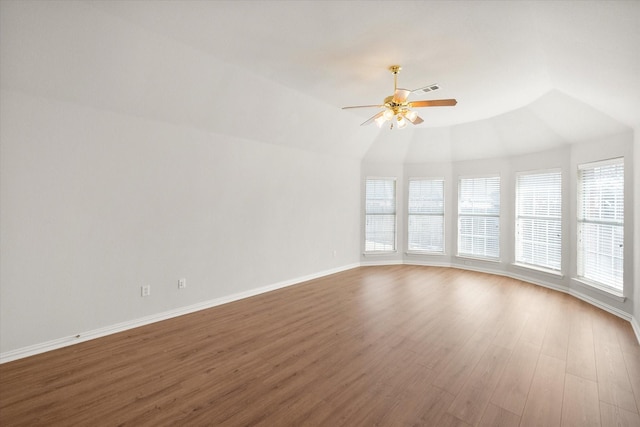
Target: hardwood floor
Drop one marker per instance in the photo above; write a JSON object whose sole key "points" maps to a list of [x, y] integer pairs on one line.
{"points": [[372, 346]]}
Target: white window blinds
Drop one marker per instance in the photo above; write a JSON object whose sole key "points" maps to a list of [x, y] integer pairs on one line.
{"points": [[426, 215], [601, 223], [539, 220], [380, 215], [479, 217]]}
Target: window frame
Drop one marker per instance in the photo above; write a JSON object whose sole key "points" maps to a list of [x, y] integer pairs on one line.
{"points": [[498, 216], [517, 216], [608, 287], [442, 215], [395, 216]]}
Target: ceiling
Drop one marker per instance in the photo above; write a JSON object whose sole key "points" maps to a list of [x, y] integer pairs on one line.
{"points": [[528, 76]]}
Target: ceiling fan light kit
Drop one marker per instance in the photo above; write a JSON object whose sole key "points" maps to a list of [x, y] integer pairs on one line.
{"points": [[398, 110]]}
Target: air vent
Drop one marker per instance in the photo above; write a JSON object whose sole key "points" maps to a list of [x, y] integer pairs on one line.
{"points": [[430, 88]]}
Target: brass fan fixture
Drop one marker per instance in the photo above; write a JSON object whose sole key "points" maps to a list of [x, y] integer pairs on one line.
{"points": [[397, 110]]}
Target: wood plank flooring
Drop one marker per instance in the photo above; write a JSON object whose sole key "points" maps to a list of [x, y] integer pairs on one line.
{"points": [[372, 346]]}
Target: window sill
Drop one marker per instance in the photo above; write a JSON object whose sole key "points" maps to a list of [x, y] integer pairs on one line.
{"points": [[471, 258], [608, 292], [424, 253], [548, 271], [379, 253]]}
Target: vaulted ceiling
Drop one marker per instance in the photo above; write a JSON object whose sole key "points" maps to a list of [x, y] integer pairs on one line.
{"points": [[528, 76]]}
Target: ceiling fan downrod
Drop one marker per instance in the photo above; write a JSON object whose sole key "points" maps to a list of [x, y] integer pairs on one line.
{"points": [[395, 69]]}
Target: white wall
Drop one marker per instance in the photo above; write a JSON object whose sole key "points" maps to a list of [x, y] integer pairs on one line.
{"points": [[130, 159], [96, 204], [566, 159]]}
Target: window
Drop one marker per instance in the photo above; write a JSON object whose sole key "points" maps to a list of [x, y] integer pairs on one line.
{"points": [[479, 217], [380, 213], [601, 223], [426, 215], [539, 220]]}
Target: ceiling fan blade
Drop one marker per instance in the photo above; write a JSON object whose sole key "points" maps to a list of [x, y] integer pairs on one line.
{"points": [[400, 95], [372, 118], [434, 103], [415, 121], [427, 88], [362, 106]]}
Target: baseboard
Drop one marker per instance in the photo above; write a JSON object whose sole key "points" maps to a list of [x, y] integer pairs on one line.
{"points": [[135, 323], [120, 327], [516, 276], [606, 307], [597, 303], [509, 274], [636, 327], [574, 293]]}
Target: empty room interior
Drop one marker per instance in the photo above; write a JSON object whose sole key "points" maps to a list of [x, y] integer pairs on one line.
{"points": [[296, 213]]}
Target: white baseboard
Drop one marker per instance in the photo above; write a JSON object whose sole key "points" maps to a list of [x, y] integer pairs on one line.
{"points": [[135, 323], [574, 293], [120, 327], [606, 307], [636, 327]]}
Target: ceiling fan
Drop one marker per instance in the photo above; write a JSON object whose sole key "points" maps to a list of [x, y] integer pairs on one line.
{"points": [[397, 110]]}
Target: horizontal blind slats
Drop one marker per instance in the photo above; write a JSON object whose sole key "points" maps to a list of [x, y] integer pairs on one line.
{"points": [[601, 223], [426, 196], [538, 219], [380, 215], [479, 196], [426, 215], [478, 217], [602, 193]]}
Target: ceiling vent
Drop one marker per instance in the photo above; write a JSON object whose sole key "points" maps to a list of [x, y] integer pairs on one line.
{"points": [[430, 88]]}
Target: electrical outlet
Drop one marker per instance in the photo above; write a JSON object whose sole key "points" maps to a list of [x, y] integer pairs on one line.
{"points": [[182, 283], [145, 291]]}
